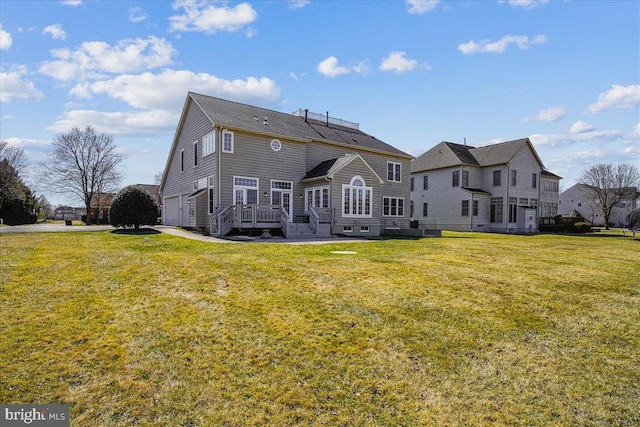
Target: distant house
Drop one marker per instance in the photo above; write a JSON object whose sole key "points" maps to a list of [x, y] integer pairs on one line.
{"points": [[498, 188], [578, 199], [100, 203], [237, 166], [68, 213]]}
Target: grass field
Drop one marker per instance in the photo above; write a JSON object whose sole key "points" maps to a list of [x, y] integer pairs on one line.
{"points": [[468, 329]]}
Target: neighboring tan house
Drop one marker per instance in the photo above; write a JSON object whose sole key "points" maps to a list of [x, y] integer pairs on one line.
{"points": [[496, 188], [577, 198], [237, 166], [100, 204]]}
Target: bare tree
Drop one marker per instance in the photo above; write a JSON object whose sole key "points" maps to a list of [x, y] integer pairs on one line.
{"points": [[611, 184], [14, 156], [83, 163]]}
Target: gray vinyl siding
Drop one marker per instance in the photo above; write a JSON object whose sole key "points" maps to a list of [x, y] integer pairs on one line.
{"points": [[254, 158], [196, 125], [319, 152]]}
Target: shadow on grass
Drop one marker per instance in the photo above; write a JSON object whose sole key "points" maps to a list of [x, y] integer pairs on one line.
{"points": [[133, 231]]}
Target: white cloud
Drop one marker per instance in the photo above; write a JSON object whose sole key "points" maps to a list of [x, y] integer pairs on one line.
{"points": [[397, 62], [486, 46], [157, 111], [207, 18], [93, 59], [298, 4], [330, 68], [418, 7], [580, 127], [141, 91], [13, 86], [635, 133], [5, 39], [551, 114], [527, 4], [617, 97], [136, 14], [71, 2], [56, 31]]}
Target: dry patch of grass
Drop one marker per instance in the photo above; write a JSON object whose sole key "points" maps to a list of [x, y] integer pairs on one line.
{"points": [[469, 329]]}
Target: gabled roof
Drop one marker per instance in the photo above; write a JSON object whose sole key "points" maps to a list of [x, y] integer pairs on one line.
{"points": [[548, 174], [449, 154], [247, 117], [328, 168]]}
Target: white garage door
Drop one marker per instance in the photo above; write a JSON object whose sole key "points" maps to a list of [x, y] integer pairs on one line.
{"points": [[171, 214]]}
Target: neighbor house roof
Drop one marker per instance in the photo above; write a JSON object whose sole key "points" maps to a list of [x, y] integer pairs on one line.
{"points": [[248, 117], [449, 154]]}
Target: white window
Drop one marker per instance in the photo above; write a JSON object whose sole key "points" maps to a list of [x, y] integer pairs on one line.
{"points": [[209, 143], [245, 190], [394, 172], [392, 206], [275, 145], [356, 198], [364, 229], [317, 197], [347, 229], [227, 141], [282, 195]]}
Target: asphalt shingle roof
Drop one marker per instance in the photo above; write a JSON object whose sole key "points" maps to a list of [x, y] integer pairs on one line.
{"points": [[243, 116]]}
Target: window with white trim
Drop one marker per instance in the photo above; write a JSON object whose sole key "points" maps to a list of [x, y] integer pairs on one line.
{"points": [[347, 229], [195, 154], [245, 190], [276, 145], [211, 201], [364, 228], [394, 171], [209, 143], [227, 141], [392, 206], [356, 198]]}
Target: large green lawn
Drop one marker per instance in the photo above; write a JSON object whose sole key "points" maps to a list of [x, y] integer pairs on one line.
{"points": [[468, 329]]}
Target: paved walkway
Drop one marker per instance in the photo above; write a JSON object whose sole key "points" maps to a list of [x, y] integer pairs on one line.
{"points": [[59, 228]]}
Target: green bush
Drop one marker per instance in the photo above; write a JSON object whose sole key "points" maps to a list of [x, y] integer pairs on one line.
{"points": [[133, 206]]}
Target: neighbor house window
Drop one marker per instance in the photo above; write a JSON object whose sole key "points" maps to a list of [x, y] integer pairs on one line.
{"points": [[534, 180], [195, 154], [425, 182], [392, 206], [465, 208], [394, 172], [513, 178], [496, 209], [513, 209], [497, 178], [455, 178], [356, 198], [209, 143], [425, 209], [227, 141], [245, 190]]}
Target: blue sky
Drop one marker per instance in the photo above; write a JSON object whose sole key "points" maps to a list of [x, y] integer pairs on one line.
{"points": [[413, 73]]}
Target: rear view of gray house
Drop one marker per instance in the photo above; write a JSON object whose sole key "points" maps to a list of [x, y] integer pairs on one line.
{"points": [[237, 166]]}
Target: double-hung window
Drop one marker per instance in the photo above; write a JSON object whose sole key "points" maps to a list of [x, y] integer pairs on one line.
{"points": [[227, 141], [394, 172], [465, 208], [455, 179], [497, 178], [357, 198], [209, 143], [392, 206], [534, 180]]}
